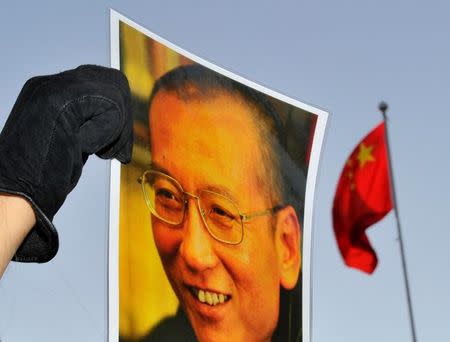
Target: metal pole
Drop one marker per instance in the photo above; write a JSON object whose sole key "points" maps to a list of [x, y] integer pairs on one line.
{"points": [[383, 108]]}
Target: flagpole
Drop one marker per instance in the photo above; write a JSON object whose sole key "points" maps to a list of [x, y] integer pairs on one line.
{"points": [[383, 108]]}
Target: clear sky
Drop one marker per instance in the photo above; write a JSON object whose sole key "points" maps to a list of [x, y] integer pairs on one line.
{"points": [[343, 56]]}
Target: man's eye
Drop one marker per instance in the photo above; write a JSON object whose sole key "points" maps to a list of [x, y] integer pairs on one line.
{"points": [[164, 193], [168, 199], [218, 213]]}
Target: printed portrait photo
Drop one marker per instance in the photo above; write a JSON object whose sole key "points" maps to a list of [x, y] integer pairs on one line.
{"points": [[212, 217]]}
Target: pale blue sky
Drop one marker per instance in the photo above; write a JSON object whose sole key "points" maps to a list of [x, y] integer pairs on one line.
{"points": [[343, 56]]}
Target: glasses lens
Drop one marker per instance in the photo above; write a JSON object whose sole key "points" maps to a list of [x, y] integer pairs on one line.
{"points": [[221, 217], [164, 197]]}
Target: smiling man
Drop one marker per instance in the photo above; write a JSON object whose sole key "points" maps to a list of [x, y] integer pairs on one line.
{"points": [[225, 199]]}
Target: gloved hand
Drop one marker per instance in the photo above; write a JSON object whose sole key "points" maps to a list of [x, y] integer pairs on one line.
{"points": [[55, 124]]}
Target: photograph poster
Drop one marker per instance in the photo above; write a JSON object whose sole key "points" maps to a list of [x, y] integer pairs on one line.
{"points": [[211, 222]]}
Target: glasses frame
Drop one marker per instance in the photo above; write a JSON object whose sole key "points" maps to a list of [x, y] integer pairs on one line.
{"points": [[244, 217]]}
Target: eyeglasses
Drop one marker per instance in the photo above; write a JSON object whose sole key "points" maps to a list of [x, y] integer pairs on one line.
{"points": [[167, 201]]}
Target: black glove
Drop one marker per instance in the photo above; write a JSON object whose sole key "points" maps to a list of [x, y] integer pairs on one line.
{"points": [[55, 124]]}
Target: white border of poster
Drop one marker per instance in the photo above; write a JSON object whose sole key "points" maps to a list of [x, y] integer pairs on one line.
{"points": [[113, 250]]}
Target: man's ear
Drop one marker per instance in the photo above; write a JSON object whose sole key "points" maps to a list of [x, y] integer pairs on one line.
{"points": [[288, 239]]}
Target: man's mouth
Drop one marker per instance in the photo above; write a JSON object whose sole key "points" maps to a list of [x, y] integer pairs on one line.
{"points": [[209, 297]]}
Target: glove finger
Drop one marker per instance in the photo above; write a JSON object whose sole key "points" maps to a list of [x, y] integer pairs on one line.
{"points": [[102, 110], [95, 81], [121, 148], [109, 132], [103, 128]]}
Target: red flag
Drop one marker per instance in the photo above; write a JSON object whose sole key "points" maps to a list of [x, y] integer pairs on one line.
{"points": [[362, 198]]}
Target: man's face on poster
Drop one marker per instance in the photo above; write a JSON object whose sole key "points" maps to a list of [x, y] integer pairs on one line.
{"points": [[228, 291]]}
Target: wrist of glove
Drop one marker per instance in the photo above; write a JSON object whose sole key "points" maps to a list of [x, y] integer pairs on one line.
{"points": [[55, 124]]}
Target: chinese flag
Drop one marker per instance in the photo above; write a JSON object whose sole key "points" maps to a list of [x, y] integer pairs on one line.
{"points": [[362, 198]]}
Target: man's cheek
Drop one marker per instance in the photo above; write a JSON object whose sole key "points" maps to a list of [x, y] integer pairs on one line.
{"points": [[167, 240]]}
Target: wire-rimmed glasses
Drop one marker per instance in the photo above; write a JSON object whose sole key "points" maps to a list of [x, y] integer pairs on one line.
{"points": [[223, 219]]}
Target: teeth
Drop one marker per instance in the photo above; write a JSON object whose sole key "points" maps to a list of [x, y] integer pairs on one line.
{"points": [[210, 298], [201, 296], [215, 298]]}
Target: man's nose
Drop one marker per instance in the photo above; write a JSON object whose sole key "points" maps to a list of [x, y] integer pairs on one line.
{"points": [[197, 246]]}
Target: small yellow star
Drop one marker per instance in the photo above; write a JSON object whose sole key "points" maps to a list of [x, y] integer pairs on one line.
{"points": [[365, 154], [352, 186]]}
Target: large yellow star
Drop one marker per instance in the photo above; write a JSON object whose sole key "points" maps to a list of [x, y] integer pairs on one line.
{"points": [[364, 154]]}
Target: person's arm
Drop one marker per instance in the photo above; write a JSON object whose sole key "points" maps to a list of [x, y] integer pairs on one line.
{"points": [[56, 123], [16, 220]]}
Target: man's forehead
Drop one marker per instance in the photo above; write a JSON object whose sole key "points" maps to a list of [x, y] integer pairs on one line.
{"points": [[215, 137], [210, 130]]}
